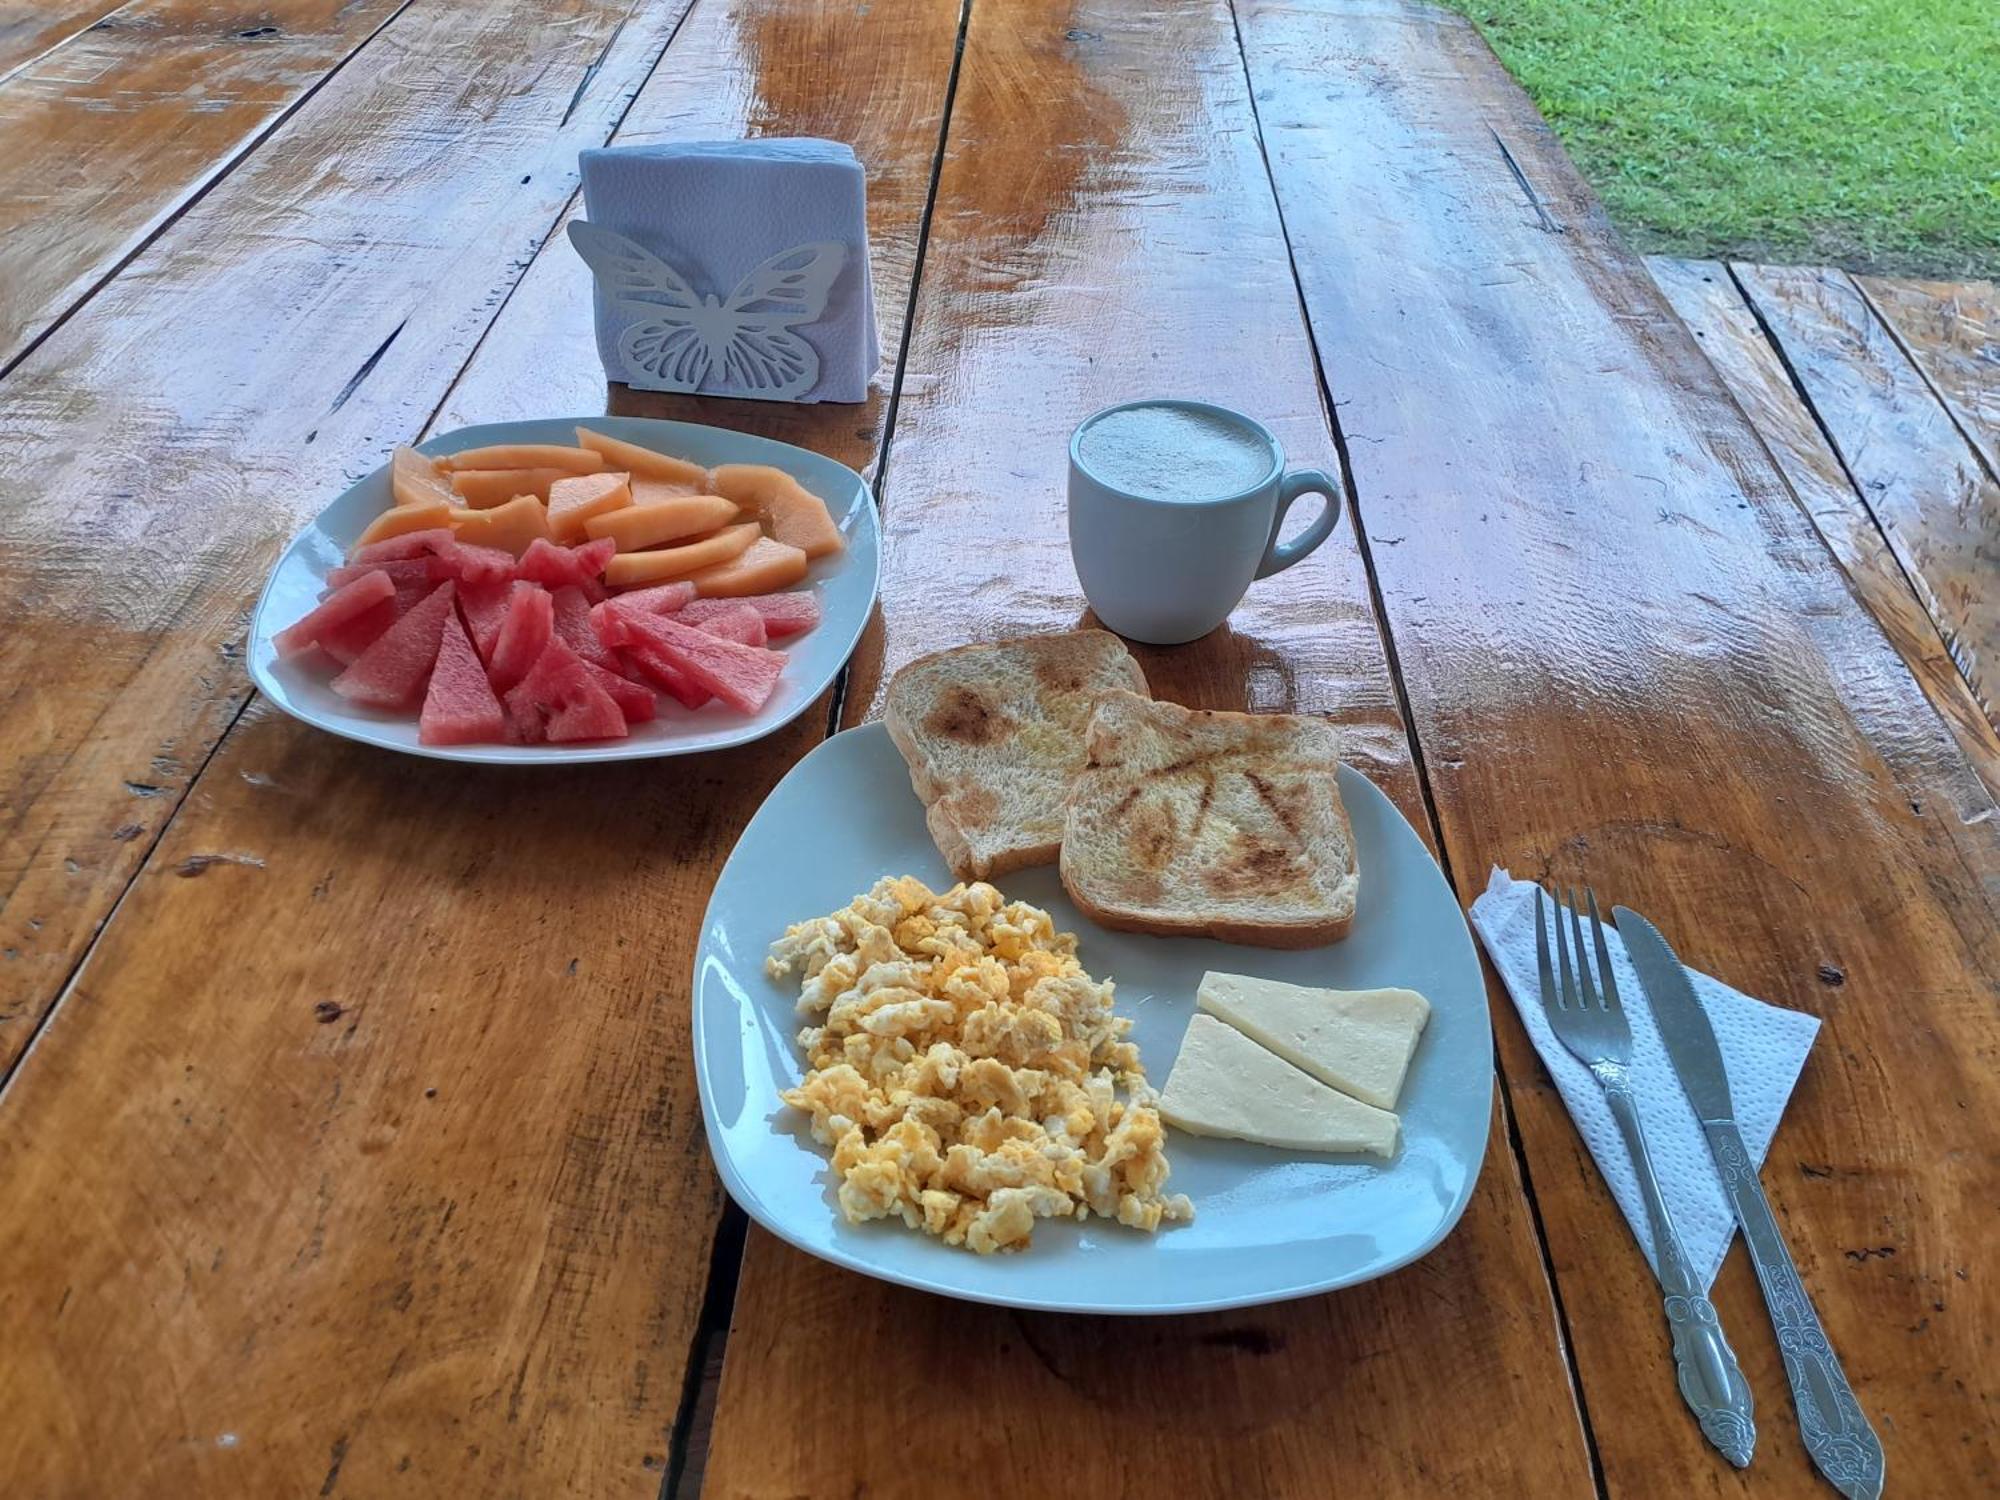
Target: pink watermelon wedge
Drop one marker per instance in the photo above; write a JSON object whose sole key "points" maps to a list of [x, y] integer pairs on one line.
{"points": [[523, 636], [402, 548], [471, 563], [660, 599], [560, 701], [784, 614], [459, 705], [635, 700], [370, 589], [391, 673], [742, 625], [415, 570], [345, 642], [651, 664], [484, 606], [574, 630], [546, 563], [744, 677]]}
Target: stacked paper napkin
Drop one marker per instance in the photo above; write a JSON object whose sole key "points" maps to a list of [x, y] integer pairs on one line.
{"points": [[732, 268], [1763, 1046]]}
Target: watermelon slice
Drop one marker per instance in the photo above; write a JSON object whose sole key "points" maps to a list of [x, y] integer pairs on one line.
{"points": [[459, 706], [560, 701], [343, 605], [484, 606], [574, 630], [744, 677], [741, 624], [524, 635], [417, 570], [470, 563], [653, 665], [391, 673], [661, 599], [546, 563], [345, 643], [784, 614], [635, 700], [402, 548]]}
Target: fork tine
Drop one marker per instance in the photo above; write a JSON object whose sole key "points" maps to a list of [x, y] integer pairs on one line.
{"points": [[1582, 954], [1606, 980], [1547, 974], [1567, 997]]}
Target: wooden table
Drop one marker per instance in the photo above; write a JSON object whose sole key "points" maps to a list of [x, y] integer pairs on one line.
{"points": [[349, 1142]]}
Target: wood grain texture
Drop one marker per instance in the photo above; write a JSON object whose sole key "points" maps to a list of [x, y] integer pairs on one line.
{"points": [[1711, 304], [1103, 228], [1951, 332], [109, 134], [28, 28], [336, 1278], [270, 347], [1629, 658], [1934, 498]]}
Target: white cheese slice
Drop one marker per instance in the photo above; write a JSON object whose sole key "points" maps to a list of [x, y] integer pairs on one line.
{"points": [[1225, 1084], [1360, 1041]]}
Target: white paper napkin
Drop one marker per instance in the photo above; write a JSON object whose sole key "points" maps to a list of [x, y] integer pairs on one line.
{"points": [[714, 212], [1764, 1047]]}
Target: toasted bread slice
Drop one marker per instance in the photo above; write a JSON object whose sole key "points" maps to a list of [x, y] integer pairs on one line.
{"points": [[1227, 826], [993, 736]]}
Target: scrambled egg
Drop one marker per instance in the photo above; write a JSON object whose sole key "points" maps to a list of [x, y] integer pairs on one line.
{"points": [[965, 1070]]}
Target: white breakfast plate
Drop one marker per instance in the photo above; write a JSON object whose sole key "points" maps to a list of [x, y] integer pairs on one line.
{"points": [[845, 585], [1268, 1224]]}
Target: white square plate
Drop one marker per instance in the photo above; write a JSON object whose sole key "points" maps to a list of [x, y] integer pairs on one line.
{"points": [[845, 585], [1268, 1224]]}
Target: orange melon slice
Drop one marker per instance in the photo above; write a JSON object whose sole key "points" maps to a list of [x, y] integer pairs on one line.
{"points": [[480, 488], [526, 456], [641, 526], [792, 513], [629, 568], [764, 567], [398, 519], [643, 463], [510, 527], [574, 500], [414, 480], [652, 491]]}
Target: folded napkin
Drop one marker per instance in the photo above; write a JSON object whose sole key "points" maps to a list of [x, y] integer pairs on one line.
{"points": [[732, 268], [1763, 1045]]}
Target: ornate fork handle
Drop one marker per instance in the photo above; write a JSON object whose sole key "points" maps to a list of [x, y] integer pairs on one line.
{"points": [[1711, 1382], [1837, 1435]]}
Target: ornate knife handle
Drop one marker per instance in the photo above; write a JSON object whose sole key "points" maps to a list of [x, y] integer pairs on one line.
{"points": [[1837, 1435], [1711, 1382]]}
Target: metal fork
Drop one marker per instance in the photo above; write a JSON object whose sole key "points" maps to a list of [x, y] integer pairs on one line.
{"points": [[1591, 1024]]}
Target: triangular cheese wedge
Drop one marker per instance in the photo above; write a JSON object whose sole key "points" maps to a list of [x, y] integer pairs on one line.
{"points": [[1359, 1041], [1225, 1084]]}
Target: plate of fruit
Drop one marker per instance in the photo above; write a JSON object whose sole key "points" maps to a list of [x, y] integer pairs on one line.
{"points": [[599, 588]]}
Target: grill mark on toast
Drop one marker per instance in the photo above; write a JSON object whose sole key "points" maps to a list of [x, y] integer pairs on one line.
{"points": [[1278, 810], [962, 715], [1201, 811]]}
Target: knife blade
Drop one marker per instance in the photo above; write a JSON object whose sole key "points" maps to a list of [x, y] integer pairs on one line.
{"points": [[1843, 1446]]}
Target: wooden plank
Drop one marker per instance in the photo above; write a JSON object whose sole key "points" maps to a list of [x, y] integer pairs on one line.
{"points": [[428, 1211], [1629, 658], [111, 133], [274, 343], [28, 28], [1935, 501], [1951, 332], [1711, 304], [1104, 228]]}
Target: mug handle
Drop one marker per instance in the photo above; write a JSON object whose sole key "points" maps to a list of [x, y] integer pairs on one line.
{"points": [[1279, 556]]}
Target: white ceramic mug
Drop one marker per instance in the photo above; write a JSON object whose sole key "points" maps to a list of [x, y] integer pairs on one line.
{"points": [[1163, 562]]}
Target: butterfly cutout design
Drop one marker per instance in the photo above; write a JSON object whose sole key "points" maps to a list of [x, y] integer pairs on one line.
{"points": [[684, 340]]}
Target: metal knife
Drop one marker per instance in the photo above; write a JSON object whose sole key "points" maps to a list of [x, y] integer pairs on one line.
{"points": [[1843, 1446]]}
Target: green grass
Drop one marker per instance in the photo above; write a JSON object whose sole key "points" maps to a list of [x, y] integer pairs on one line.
{"points": [[1861, 133]]}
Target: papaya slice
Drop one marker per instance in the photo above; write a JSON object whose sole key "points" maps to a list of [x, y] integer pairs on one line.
{"points": [[764, 567], [792, 513], [638, 527], [643, 463], [629, 568], [525, 456]]}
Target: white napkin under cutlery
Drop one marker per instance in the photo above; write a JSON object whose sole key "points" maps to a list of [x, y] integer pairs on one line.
{"points": [[1764, 1046]]}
